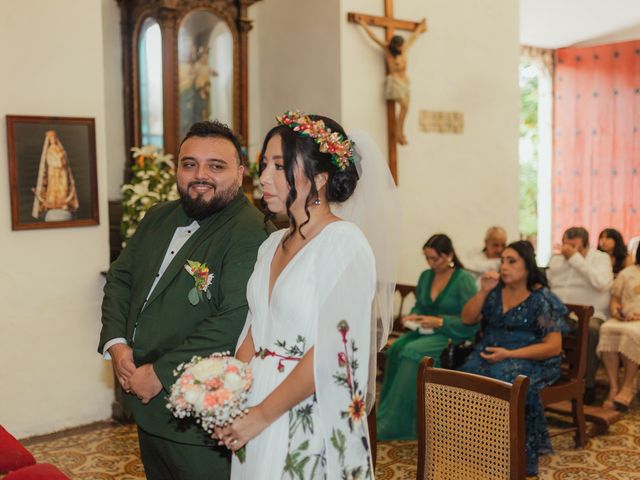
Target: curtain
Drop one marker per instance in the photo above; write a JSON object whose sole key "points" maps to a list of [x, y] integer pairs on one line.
{"points": [[595, 176]]}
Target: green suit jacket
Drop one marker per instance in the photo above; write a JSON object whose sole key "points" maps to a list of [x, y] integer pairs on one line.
{"points": [[169, 329]]}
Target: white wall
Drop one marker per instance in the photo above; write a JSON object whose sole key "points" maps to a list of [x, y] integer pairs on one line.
{"points": [[624, 35], [53, 63], [294, 62], [115, 149]]}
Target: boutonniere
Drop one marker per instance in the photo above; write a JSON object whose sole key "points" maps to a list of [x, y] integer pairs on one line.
{"points": [[202, 278]]}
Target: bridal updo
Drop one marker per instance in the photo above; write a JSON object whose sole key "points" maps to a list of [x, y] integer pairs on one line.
{"points": [[340, 183]]}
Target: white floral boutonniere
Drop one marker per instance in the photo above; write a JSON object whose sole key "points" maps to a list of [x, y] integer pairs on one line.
{"points": [[202, 278]]}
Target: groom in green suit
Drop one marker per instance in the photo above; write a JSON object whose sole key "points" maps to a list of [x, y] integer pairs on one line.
{"points": [[151, 322]]}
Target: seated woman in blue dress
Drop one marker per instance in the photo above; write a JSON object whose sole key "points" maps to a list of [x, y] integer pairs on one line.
{"points": [[441, 293], [521, 322]]}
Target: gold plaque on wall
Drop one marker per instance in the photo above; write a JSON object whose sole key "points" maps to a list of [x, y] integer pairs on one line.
{"points": [[441, 122]]}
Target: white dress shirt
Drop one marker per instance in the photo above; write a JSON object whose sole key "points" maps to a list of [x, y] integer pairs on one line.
{"points": [[477, 262], [583, 280], [180, 237]]}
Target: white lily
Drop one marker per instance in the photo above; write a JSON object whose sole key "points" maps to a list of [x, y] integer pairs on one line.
{"points": [[144, 151]]}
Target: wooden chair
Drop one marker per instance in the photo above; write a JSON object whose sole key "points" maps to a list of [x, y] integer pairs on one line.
{"points": [[373, 435], [570, 386], [397, 329], [404, 291], [470, 427]]}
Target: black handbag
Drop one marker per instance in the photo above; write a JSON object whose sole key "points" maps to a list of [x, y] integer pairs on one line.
{"points": [[453, 356]]}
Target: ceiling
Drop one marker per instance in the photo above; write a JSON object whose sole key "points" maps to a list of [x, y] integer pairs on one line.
{"points": [[561, 23]]}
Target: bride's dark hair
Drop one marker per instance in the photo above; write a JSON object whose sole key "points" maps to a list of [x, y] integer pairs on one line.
{"points": [[340, 183]]}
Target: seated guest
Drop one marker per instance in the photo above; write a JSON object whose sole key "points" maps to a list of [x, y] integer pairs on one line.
{"points": [[488, 258], [441, 293], [610, 242], [582, 275], [521, 322], [620, 337]]}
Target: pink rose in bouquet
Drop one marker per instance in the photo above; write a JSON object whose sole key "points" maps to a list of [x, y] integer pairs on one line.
{"points": [[213, 390]]}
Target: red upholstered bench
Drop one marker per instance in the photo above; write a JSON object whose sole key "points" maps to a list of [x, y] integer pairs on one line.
{"points": [[12, 454], [42, 471]]}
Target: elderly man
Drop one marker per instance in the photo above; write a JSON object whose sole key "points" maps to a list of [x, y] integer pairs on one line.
{"points": [[486, 259], [583, 275], [152, 322]]}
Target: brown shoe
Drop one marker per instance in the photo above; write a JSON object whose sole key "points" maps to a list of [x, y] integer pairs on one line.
{"points": [[624, 398]]}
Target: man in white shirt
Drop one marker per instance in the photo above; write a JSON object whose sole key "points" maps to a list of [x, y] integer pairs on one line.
{"points": [[583, 276], [486, 259]]}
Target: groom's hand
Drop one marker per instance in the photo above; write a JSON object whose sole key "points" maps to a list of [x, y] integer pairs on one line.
{"points": [[144, 383], [122, 363]]}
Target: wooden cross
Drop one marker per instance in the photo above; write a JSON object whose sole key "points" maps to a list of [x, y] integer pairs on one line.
{"points": [[390, 25]]}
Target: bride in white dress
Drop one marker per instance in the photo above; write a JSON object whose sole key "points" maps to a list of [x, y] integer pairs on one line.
{"points": [[308, 332]]}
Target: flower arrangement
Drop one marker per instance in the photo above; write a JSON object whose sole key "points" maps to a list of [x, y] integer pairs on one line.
{"points": [[202, 279], [334, 143], [213, 390], [153, 180]]}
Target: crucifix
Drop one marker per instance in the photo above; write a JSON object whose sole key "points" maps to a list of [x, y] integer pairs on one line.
{"points": [[397, 83]]}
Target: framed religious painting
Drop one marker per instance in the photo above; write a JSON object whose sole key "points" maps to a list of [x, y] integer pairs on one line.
{"points": [[52, 172]]}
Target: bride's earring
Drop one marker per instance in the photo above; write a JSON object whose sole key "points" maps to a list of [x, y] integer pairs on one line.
{"points": [[316, 201]]}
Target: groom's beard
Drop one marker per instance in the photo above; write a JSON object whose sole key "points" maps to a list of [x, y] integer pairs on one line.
{"points": [[198, 208]]}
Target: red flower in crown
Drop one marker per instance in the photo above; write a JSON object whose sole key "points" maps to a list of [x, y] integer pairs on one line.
{"points": [[340, 147]]}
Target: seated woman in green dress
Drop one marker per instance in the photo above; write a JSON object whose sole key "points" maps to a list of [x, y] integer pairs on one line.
{"points": [[441, 293]]}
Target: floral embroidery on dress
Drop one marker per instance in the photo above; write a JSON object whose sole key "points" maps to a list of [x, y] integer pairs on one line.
{"points": [[294, 352], [348, 362], [355, 410], [297, 460]]}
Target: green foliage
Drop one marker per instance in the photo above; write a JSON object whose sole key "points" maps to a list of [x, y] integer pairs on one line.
{"points": [[528, 199], [528, 208], [153, 180], [528, 104]]}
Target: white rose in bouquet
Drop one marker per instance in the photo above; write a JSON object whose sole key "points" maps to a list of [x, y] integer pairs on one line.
{"points": [[207, 368], [233, 382], [195, 397]]}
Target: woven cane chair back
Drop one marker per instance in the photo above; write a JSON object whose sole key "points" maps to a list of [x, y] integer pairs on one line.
{"points": [[471, 427]]}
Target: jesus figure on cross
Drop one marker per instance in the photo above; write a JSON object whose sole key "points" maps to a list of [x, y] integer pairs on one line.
{"points": [[397, 81]]}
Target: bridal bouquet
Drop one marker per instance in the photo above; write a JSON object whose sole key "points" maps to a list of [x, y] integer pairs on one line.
{"points": [[213, 390]]}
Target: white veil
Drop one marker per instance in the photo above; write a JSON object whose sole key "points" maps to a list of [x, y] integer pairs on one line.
{"points": [[375, 208]]}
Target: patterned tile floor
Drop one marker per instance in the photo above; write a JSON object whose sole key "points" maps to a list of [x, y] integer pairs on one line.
{"points": [[614, 456], [102, 451], [108, 451]]}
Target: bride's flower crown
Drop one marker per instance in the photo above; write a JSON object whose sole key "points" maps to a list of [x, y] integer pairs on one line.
{"points": [[339, 146]]}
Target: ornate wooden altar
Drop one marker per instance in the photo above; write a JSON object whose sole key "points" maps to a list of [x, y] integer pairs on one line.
{"points": [[183, 61]]}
